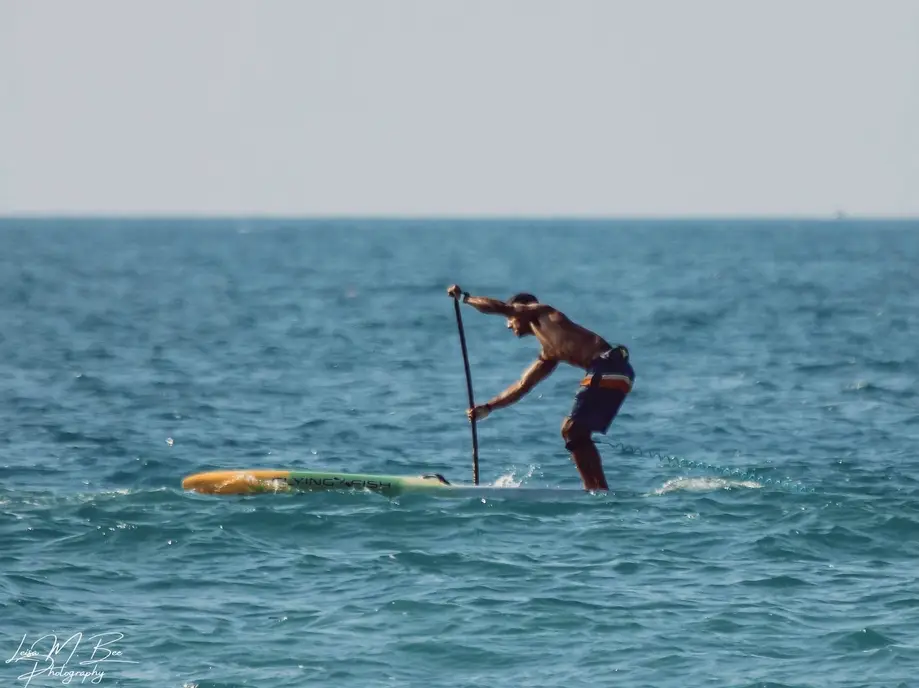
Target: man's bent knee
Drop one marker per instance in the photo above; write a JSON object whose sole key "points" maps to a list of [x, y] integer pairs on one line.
{"points": [[575, 435]]}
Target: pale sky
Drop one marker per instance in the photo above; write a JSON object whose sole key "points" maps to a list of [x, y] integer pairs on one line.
{"points": [[449, 108]]}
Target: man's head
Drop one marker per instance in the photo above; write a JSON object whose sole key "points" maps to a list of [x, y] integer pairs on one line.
{"points": [[520, 324]]}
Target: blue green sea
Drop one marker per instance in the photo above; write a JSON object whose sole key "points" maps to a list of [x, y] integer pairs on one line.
{"points": [[762, 527]]}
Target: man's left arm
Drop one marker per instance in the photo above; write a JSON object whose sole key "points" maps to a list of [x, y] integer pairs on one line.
{"points": [[533, 375]]}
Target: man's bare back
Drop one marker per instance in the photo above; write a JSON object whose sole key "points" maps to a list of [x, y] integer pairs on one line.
{"points": [[609, 379], [564, 340]]}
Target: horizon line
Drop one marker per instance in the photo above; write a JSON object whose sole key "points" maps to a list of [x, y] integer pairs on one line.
{"points": [[447, 217]]}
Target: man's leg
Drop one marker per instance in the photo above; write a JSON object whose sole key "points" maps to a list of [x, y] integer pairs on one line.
{"points": [[585, 455]]}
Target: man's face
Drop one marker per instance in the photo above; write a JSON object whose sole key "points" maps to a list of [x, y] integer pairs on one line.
{"points": [[519, 328]]}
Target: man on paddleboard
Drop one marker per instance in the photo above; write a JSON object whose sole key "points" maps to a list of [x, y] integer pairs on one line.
{"points": [[608, 379]]}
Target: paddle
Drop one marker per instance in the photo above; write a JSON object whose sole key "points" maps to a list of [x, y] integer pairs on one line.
{"points": [[475, 439]]}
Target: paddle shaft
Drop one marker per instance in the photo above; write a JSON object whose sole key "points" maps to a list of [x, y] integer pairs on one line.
{"points": [[475, 439]]}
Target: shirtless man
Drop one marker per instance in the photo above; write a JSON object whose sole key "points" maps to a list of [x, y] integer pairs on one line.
{"points": [[609, 375]]}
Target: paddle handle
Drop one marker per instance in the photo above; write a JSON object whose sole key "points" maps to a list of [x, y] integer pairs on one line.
{"points": [[475, 438]]}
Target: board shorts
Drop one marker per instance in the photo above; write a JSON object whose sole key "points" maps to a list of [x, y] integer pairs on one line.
{"points": [[609, 378]]}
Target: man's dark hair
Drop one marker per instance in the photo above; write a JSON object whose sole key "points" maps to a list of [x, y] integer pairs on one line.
{"points": [[522, 297]]}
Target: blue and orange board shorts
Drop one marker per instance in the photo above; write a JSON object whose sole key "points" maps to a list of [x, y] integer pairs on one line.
{"points": [[608, 379]]}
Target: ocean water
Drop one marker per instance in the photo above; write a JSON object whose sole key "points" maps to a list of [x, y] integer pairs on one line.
{"points": [[762, 527]]}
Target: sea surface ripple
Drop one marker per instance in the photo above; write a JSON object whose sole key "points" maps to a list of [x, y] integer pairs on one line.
{"points": [[762, 527]]}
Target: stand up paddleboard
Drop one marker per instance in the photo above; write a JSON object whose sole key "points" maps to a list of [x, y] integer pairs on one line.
{"points": [[267, 480]]}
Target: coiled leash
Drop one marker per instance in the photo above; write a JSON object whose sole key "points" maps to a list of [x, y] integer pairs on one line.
{"points": [[736, 473]]}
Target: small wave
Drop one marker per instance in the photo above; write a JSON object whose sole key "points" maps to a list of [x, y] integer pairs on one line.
{"points": [[116, 493], [777, 582], [862, 640], [703, 485]]}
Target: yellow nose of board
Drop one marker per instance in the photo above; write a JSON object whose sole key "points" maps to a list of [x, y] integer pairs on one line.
{"points": [[237, 482]]}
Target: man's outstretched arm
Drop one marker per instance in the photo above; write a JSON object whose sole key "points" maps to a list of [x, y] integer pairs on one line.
{"points": [[485, 304]]}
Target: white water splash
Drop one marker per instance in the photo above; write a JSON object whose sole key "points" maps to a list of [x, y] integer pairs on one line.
{"points": [[704, 485], [510, 479]]}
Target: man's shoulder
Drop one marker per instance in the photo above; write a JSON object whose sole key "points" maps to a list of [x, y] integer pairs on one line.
{"points": [[542, 308], [552, 311], [533, 309]]}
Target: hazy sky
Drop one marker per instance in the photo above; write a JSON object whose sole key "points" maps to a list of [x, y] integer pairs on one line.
{"points": [[436, 107]]}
